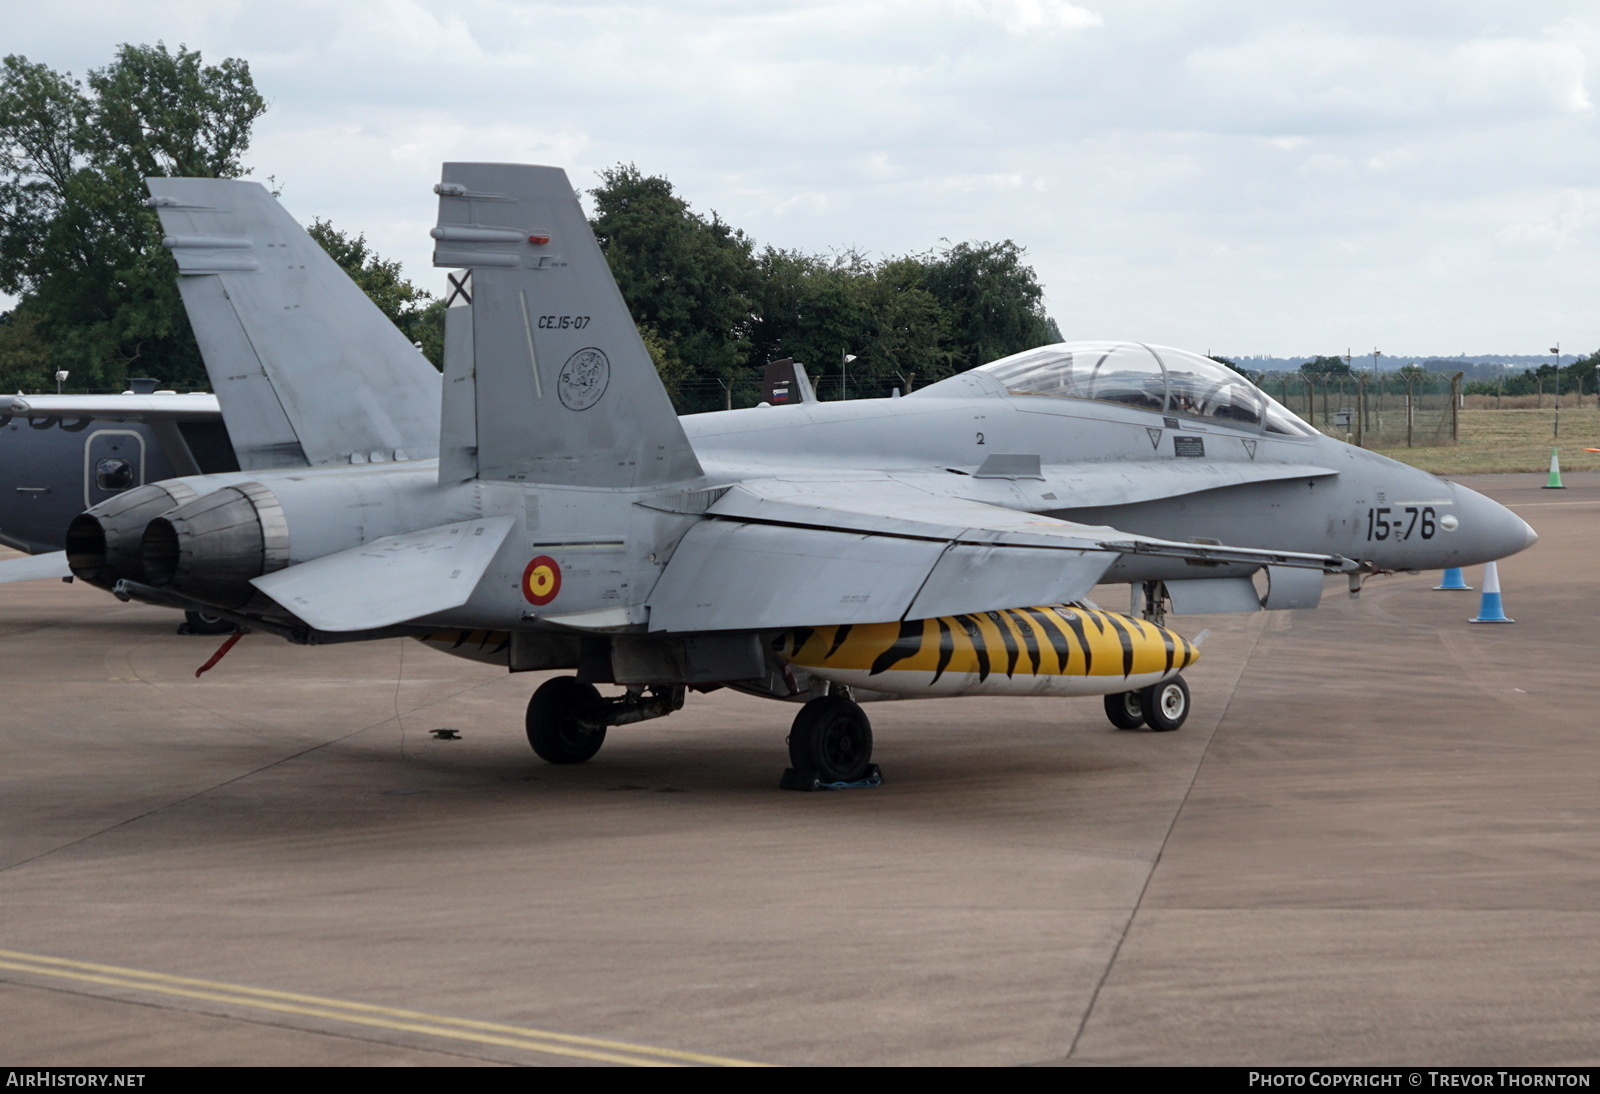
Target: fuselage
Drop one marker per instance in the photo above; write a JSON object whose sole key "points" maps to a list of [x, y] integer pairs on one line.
{"points": [[1105, 464], [1133, 469]]}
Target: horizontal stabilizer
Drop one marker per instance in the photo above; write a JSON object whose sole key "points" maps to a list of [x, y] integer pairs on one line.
{"points": [[307, 368], [34, 567], [390, 580]]}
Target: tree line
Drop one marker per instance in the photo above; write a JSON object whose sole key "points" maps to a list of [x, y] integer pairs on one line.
{"points": [[97, 293], [1578, 376], [714, 308]]}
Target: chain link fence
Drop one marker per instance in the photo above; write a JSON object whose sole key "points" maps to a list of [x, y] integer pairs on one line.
{"points": [[1409, 407]]}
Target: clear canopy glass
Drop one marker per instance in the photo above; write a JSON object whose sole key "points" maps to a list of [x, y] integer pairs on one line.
{"points": [[1159, 378]]}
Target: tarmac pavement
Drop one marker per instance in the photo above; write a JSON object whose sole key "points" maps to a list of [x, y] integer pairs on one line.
{"points": [[1373, 842]]}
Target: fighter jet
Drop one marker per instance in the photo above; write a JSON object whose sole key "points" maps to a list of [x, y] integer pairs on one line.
{"points": [[557, 514]]}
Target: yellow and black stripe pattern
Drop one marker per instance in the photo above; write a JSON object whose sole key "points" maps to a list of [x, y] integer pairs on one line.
{"points": [[490, 647], [1016, 651]]}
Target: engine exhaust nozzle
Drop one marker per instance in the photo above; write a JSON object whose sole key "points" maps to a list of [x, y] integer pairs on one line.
{"points": [[106, 543], [209, 549]]}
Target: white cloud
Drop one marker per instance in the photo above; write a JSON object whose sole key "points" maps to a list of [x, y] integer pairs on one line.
{"points": [[1228, 175], [1024, 16]]}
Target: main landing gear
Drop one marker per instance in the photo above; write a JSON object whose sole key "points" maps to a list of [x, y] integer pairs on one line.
{"points": [[1163, 707], [830, 743], [567, 718], [203, 623]]}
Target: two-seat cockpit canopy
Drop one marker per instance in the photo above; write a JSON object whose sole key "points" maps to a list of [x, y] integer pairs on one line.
{"points": [[1157, 378]]}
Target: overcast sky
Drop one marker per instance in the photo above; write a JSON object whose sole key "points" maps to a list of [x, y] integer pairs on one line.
{"points": [[1234, 176]]}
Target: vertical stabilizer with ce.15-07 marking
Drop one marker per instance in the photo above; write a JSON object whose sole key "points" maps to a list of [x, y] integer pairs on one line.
{"points": [[546, 377]]}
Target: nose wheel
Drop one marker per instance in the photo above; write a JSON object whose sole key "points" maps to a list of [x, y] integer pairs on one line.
{"points": [[1125, 709], [1163, 707], [829, 743]]}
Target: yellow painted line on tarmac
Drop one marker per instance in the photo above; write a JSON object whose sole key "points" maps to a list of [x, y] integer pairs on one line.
{"points": [[364, 1014], [1543, 504]]}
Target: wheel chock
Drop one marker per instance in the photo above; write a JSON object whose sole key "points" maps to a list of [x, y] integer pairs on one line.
{"points": [[808, 780]]}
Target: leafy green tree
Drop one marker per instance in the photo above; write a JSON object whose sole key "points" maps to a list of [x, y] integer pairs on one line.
{"points": [[1253, 377], [77, 243], [24, 357], [419, 317], [715, 311], [1326, 367], [994, 300], [686, 277], [818, 309]]}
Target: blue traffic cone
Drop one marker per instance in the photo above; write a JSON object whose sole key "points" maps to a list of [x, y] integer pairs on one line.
{"points": [[1453, 581], [1489, 608]]}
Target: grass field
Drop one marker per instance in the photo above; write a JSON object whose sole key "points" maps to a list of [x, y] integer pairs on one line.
{"points": [[1512, 440]]}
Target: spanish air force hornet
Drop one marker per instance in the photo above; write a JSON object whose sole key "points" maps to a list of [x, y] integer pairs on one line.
{"points": [[552, 512]]}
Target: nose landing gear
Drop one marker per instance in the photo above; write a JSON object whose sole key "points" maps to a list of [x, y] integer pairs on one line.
{"points": [[1163, 707]]}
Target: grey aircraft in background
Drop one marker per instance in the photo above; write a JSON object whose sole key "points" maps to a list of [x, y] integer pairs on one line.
{"points": [[551, 511]]}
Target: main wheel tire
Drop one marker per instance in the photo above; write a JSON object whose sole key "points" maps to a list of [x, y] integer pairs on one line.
{"points": [[1166, 705], [1126, 709], [556, 726], [201, 623], [832, 739]]}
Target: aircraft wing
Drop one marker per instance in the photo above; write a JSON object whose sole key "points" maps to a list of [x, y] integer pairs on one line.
{"points": [[113, 408], [34, 567], [390, 580], [775, 553]]}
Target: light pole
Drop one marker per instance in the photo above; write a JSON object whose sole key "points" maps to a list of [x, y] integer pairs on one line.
{"points": [[60, 379], [844, 373]]}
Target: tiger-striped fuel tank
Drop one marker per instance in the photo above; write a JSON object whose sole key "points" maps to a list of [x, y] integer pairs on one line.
{"points": [[1020, 651]]}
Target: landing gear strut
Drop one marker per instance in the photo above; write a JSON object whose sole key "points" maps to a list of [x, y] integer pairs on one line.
{"points": [[567, 718], [1163, 707], [830, 742]]}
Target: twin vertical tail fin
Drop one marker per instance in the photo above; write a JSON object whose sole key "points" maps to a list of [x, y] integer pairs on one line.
{"points": [[546, 378], [307, 369]]}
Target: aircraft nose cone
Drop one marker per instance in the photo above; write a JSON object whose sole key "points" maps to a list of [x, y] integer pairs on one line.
{"points": [[1487, 529]]}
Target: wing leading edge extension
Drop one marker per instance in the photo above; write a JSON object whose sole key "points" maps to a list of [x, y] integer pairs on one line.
{"points": [[776, 554]]}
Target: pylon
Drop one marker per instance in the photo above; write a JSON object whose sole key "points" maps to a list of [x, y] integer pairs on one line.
{"points": [[1555, 473], [1453, 581], [1489, 608]]}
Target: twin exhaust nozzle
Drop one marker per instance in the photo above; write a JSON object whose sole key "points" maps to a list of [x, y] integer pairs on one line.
{"points": [[205, 548]]}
